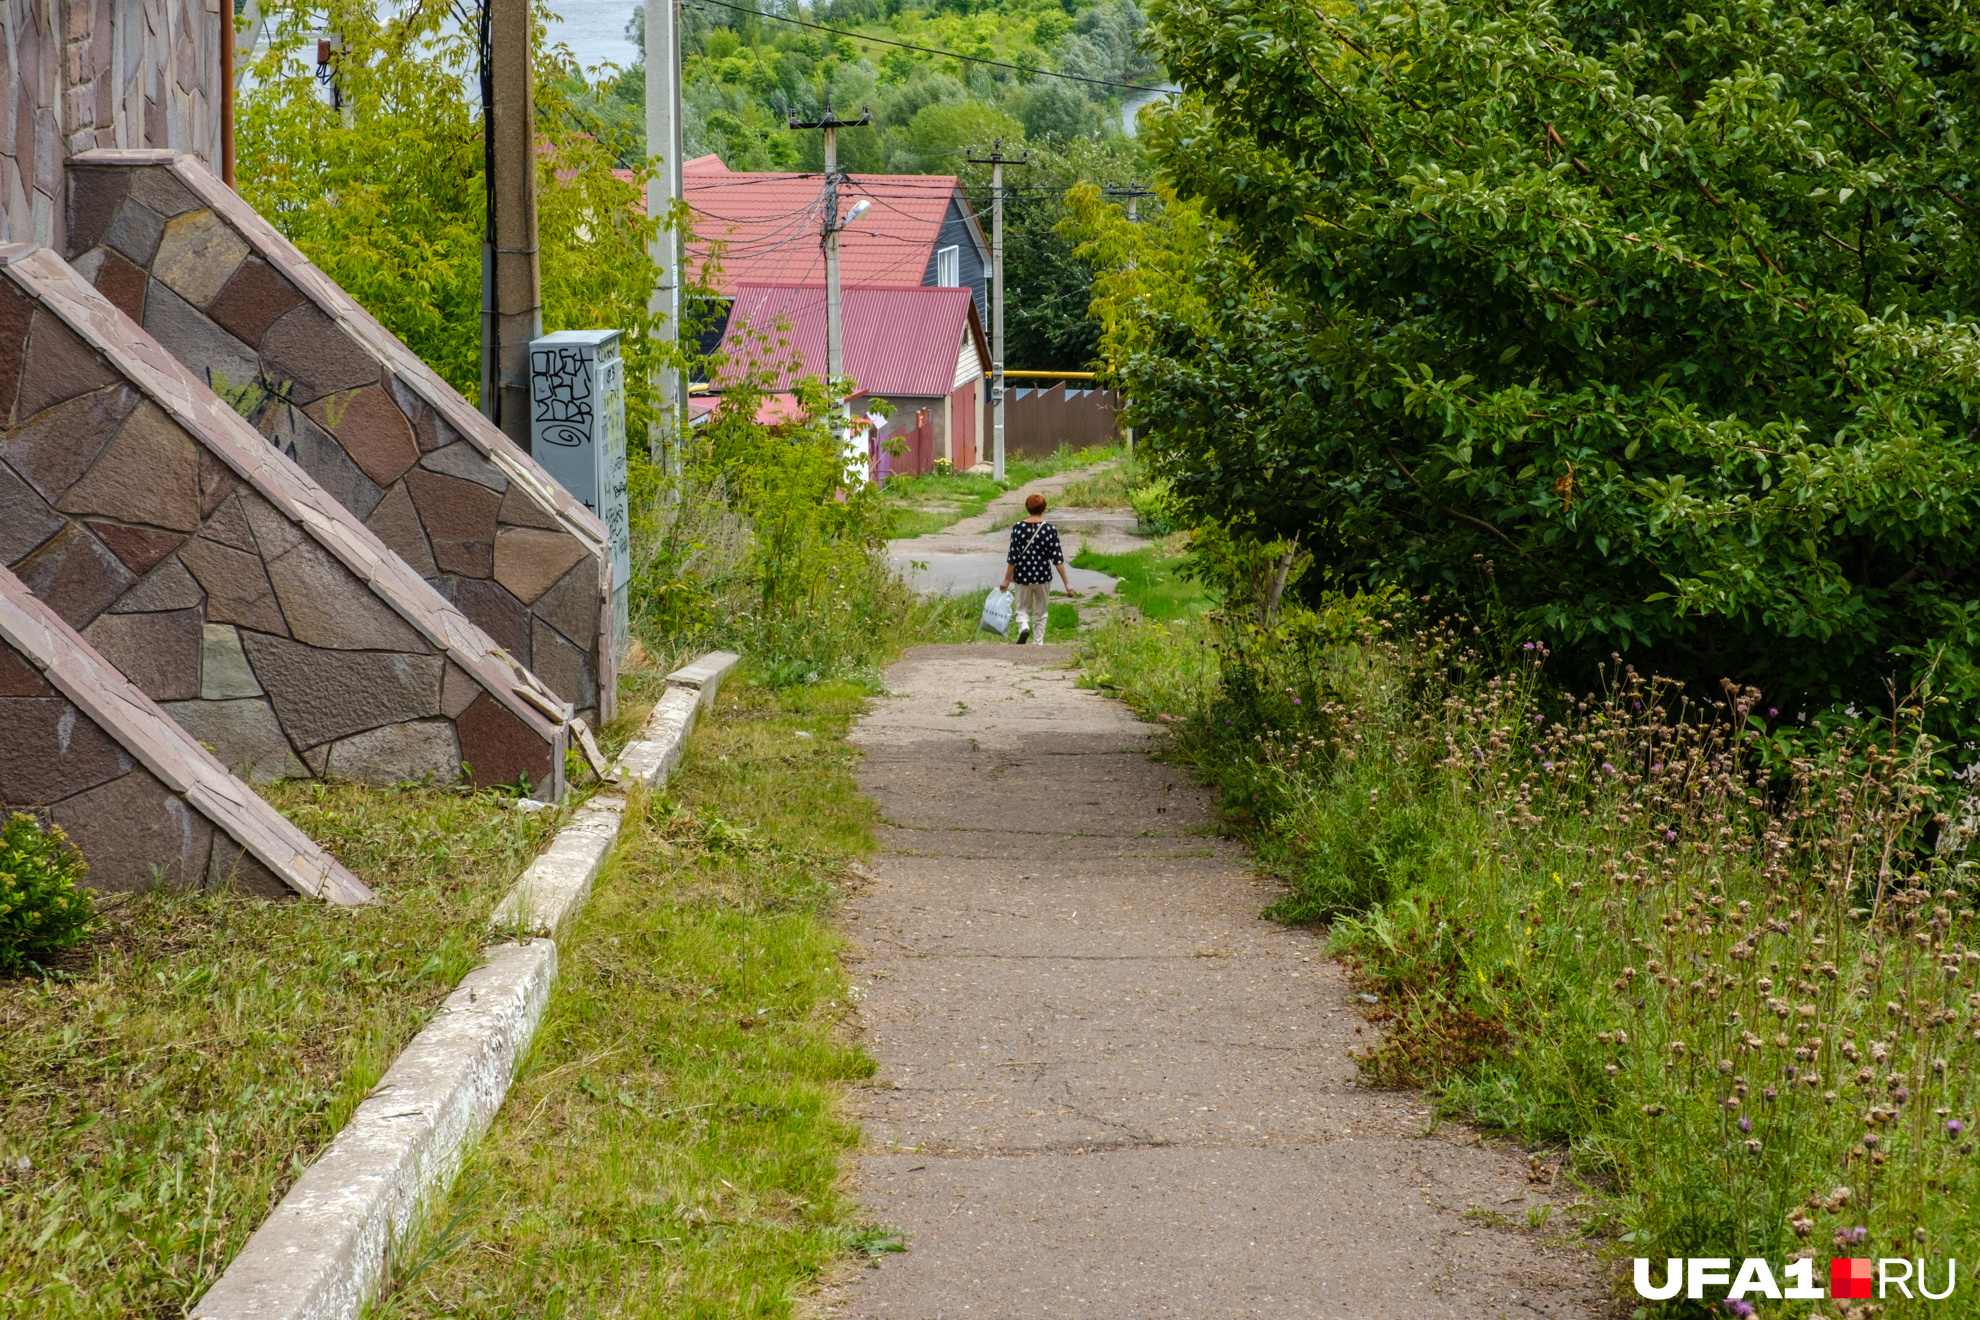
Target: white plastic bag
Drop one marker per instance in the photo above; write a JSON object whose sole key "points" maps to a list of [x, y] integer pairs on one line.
{"points": [[997, 607]]}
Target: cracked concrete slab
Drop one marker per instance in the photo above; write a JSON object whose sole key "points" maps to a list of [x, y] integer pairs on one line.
{"points": [[1108, 1087]]}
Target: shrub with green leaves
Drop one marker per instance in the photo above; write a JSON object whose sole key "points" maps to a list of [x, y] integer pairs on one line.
{"points": [[43, 906], [1641, 328]]}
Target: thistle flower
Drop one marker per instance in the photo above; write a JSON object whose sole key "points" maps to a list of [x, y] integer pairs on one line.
{"points": [[1739, 1306], [1849, 1237], [1954, 1127], [1745, 1124]]}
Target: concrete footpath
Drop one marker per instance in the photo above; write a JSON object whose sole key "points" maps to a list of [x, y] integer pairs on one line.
{"points": [[1107, 1087], [968, 557]]}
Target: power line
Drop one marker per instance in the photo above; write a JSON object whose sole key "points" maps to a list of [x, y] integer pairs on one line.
{"points": [[929, 50]]}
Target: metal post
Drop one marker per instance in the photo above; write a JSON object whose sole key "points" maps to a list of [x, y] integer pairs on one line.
{"points": [[663, 90]]}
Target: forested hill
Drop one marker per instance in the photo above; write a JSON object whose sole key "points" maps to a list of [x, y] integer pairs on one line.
{"points": [[743, 72]]}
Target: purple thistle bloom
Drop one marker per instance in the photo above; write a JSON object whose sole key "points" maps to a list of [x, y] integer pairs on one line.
{"points": [[1745, 1124], [1739, 1306], [1528, 646], [1607, 768], [1954, 1127], [1295, 701], [1546, 765], [1772, 711], [1670, 836]]}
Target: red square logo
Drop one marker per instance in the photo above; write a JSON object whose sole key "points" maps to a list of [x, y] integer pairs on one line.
{"points": [[1849, 1277]]}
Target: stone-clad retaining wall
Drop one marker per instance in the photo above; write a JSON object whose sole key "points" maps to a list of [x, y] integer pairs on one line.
{"points": [[80, 74], [86, 750], [223, 581], [233, 300]]}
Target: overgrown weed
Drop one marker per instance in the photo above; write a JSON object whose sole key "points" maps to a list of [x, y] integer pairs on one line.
{"points": [[672, 1145], [1714, 951]]}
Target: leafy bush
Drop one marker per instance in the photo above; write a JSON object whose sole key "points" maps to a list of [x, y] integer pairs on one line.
{"points": [[43, 906], [1644, 329], [1154, 507]]}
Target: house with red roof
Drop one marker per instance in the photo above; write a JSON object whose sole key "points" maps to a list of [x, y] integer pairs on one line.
{"points": [[920, 349], [764, 229]]}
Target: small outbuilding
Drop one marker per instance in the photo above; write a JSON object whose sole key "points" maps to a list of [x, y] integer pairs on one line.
{"points": [[921, 349]]}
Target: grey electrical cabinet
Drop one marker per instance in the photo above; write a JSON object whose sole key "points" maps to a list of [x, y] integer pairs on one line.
{"points": [[577, 431]]}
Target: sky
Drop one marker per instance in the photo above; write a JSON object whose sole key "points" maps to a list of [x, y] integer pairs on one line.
{"points": [[595, 30]]}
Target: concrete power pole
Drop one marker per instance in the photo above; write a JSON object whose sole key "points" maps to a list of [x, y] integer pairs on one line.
{"points": [[663, 139], [1134, 192], [996, 160], [835, 358], [516, 276]]}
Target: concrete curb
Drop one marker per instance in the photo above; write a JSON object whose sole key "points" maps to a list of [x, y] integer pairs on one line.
{"points": [[326, 1249], [323, 1252], [560, 878]]}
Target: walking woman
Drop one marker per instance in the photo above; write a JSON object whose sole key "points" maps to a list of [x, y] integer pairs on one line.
{"points": [[1034, 551]]}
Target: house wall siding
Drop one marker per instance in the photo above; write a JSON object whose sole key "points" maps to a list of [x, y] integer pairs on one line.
{"points": [[973, 269]]}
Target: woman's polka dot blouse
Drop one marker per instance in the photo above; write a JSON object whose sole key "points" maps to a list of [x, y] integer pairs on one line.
{"points": [[1034, 549]]}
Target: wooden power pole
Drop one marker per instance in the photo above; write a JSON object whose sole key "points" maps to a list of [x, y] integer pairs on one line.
{"points": [[996, 160], [515, 278]]}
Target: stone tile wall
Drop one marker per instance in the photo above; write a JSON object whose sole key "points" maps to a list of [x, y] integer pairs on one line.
{"points": [[257, 611], [83, 74], [326, 385], [137, 796]]}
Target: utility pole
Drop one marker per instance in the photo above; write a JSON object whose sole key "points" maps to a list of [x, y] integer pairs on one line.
{"points": [[517, 280], [996, 160], [1134, 192], [835, 363], [485, 75], [663, 140]]}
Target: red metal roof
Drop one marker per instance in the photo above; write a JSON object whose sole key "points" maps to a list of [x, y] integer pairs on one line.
{"points": [[899, 341], [766, 226]]}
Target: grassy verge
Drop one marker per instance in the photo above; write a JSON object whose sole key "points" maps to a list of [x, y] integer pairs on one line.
{"points": [[1150, 580], [1104, 490], [672, 1145], [158, 1098], [920, 505], [1717, 966]]}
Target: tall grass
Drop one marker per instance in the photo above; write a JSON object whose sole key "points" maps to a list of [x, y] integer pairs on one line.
{"points": [[1713, 953], [672, 1144], [159, 1095]]}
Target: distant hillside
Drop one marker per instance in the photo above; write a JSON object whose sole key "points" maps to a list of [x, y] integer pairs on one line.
{"points": [[744, 72]]}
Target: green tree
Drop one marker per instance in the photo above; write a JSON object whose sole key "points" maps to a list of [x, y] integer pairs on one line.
{"points": [[1646, 328], [385, 191]]}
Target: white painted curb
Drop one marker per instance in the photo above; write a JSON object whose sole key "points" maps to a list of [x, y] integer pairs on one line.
{"points": [[324, 1252]]}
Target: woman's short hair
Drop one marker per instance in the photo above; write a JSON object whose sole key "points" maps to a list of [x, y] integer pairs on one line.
{"points": [[1034, 504]]}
